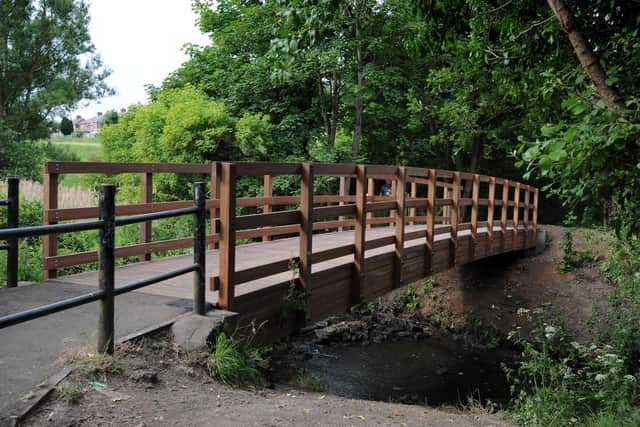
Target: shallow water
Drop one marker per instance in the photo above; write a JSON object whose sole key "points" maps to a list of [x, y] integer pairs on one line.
{"points": [[434, 371]]}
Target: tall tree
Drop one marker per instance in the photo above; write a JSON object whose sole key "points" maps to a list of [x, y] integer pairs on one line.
{"points": [[47, 65]]}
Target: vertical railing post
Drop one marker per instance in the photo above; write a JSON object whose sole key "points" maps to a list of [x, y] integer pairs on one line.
{"points": [[490, 214], [431, 220], [360, 234], [401, 192], [266, 208], [50, 241], [394, 194], [343, 191], [13, 221], [414, 193], [199, 248], [106, 277], [370, 193], [227, 253], [214, 213], [516, 213], [146, 196], [525, 216], [534, 214], [306, 227], [455, 218], [475, 194], [503, 213]]}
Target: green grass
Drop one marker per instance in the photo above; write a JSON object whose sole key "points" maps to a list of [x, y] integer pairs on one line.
{"points": [[87, 150]]}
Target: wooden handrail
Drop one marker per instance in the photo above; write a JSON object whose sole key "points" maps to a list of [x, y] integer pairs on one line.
{"points": [[419, 196]]}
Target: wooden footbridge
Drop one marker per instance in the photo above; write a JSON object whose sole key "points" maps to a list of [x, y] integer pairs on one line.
{"points": [[348, 247], [345, 242]]}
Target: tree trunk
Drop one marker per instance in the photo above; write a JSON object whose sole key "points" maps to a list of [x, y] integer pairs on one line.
{"points": [[357, 127], [587, 57], [476, 155], [334, 108]]}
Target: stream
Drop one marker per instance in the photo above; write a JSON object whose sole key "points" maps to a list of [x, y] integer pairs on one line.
{"points": [[437, 370]]}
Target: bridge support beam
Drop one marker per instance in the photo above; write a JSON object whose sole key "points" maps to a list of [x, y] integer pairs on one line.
{"points": [[306, 227]]}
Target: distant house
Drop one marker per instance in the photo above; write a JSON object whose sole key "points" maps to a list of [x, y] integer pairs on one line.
{"points": [[89, 127]]}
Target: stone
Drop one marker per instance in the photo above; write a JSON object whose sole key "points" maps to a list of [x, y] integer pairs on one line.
{"points": [[194, 332], [144, 375]]}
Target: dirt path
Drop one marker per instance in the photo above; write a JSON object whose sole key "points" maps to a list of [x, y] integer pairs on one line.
{"points": [[160, 386]]}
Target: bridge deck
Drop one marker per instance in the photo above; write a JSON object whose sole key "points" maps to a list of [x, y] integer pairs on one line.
{"points": [[250, 255]]}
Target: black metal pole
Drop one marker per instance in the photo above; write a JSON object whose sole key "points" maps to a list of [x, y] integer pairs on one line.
{"points": [[106, 275], [199, 248], [13, 193]]}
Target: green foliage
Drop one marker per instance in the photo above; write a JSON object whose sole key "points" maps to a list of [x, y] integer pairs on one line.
{"points": [[66, 126], [591, 158], [236, 361], [48, 64], [413, 300], [572, 259], [109, 118], [563, 382]]}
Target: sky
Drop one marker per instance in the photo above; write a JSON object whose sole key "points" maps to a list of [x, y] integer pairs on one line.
{"points": [[141, 42]]}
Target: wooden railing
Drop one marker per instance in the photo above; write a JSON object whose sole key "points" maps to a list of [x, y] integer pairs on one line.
{"points": [[419, 196], [429, 197]]}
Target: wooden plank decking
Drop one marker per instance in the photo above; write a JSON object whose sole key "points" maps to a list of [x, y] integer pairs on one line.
{"points": [[247, 256]]}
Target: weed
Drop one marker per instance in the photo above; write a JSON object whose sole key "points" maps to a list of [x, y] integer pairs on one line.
{"points": [[235, 361], [413, 300], [305, 381], [572, 259], [69, 392], [91, 362]]}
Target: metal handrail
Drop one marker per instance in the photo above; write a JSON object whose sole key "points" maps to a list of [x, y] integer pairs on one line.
{"points": [[106, 224]]}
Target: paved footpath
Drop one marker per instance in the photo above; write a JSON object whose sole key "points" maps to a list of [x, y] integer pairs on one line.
{"points": [[32, 351]]}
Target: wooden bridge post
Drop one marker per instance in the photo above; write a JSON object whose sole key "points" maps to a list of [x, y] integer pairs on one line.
{"points": [[306, 226], [431, 214], [214, 213], [455, 217], [360, 234], [516, 213], [401, 195], [474, 216], [370, 193], [534, 218], [146, 196], [414, 193], [490, 214], [49, 241], [266, 208], [343, 191], [525, 216], [227, 254], [503, 213]]}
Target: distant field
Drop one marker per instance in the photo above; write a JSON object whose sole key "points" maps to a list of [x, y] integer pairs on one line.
{"points": [[87, 150]]}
